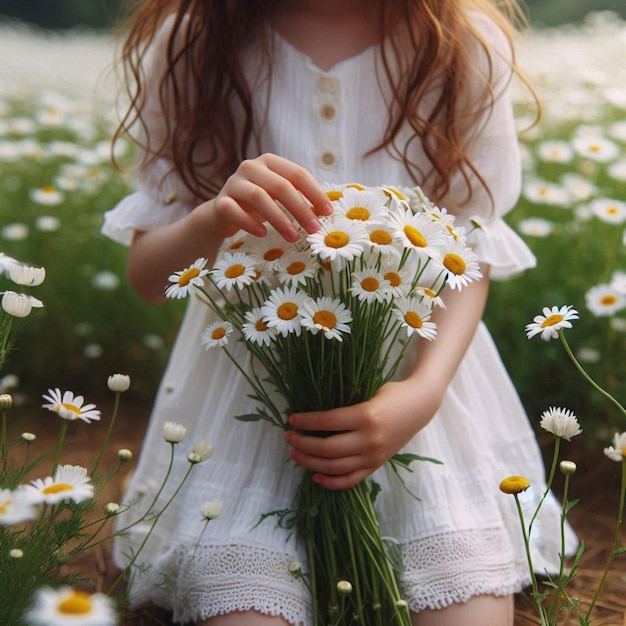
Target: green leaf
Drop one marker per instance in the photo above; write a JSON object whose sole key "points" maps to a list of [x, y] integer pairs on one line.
{"points": [[406, 458], [249, 417]]}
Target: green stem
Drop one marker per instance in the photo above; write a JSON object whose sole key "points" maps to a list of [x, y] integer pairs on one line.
{"points": [[616, 541], [4, 447], [555, 459], [559, 590], [588, 378], [536, 595], [60, 441], [107, 436]]}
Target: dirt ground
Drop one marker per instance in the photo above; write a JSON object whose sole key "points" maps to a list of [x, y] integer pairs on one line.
{"points": [[595, 484]]}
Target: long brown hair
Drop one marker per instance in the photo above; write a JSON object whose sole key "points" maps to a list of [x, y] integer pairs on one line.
{"points": [[203, 82]]}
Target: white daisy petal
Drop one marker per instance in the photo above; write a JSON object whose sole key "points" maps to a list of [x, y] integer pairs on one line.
{"points": [[184, 280], [552, 320]]}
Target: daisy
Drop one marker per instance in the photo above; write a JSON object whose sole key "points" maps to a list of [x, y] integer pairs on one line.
{"points": [[418, 232], [609, 211], [555, 151], [460, 265], [234, 270], [211, 510], [184, 280], [47, 195], [617, 170], [69, 607], [6, 262], [328, 315], [578, 187], [256, 330], [618, 130], [282, 310], [236, 243], [267, 251], [560, 422], [514, 485], [617, 452], [174, 432], [339, 239], [535, 227], [70, 482], [15, 232], [217, 334], [542, 192], [19, 304], [369, 206], [47, 223], [70, 407], [605, 300], [382, 240], [430, 296], [399, 280], [16, 507], [294, 268], [370, 286], [596, 148], [414, 315], [551, 322], [618, 280]]}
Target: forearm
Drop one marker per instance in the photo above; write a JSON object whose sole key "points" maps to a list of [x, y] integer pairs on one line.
{"points": [[438, 360], [155, 254]]}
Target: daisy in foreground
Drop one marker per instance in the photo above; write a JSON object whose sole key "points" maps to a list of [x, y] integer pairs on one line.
{"points": [[70, 407], [184, 280], [552, 320], [70, 482], [67, 606]]}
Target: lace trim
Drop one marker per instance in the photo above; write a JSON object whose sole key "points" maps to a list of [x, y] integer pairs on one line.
{"points": [[204, 581], [450, 568]]}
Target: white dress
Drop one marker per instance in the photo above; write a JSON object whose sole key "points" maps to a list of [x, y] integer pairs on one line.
{"points": [[463, 538]]}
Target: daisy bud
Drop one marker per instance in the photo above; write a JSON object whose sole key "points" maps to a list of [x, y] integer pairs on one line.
{"points": [[28, 437], [173, 432], [62, 557], [567, 467], [201, 451], [27, 276], [6, 401], [514, 485], [118, 383], [211, 510], [124, 455], [402, 604], [344, 587], [16, 553], [16, 304], [111, 508], [295, 568]]}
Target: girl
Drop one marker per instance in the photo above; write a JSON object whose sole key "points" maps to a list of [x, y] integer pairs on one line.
{"points": [[243, 109]]}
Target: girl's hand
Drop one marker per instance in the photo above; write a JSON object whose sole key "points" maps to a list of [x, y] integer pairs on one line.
{"points": [[270, 189], [364, 436]]}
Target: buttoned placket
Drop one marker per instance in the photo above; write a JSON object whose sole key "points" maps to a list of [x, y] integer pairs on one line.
{"points": [[327, 109]]}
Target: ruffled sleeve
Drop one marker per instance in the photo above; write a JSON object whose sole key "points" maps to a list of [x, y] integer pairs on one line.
{"points": [[495, 153], [161, 197]]}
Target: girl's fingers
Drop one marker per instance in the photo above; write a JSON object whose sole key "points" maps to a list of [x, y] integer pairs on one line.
{"points": [[338, 483]]}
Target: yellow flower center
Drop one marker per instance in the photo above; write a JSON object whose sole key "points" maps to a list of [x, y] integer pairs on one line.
{"points": [[57, 488], [595, 148], [370, 284], [234, 271], [218, 333], [608, 300], [381, 237], [413, 319], [358, 213], [4, 506], [454, 263], [356, 186], [429, 292], [295, 268], [48, 189], [415, 237], [336, 239], [77, 603], [551, 320], [396, 193], [514, 484], [394, 279], [71, 407], [287, 311], [334, 195], [235, 245], [187, 276], [327, 319], [612, 210], [273, 253], [261, 326]]}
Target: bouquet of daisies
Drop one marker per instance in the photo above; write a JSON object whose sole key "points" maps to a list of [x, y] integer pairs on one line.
{"points": [[327, 321]]}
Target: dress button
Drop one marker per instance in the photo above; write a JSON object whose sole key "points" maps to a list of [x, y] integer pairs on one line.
{"points": [[328, 84], [328, 158], [328, 112]]}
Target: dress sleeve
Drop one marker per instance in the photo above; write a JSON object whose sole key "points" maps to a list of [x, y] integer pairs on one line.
{"points": [[494, 152], [161, 197]]}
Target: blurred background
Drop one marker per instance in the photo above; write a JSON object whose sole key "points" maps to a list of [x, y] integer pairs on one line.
{"points": [[58, 112]]}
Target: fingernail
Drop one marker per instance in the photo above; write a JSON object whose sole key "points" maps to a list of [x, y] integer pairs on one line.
{"points": [[313, 225], [292, 235], [288, 437]]}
